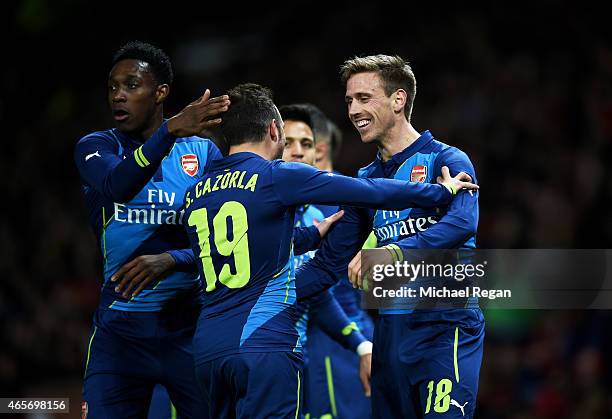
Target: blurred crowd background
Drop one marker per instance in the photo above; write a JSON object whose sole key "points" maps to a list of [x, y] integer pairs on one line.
{"points": [[525, 90]]}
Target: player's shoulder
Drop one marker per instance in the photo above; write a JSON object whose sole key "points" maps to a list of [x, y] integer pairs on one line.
{"points": [[281, 165], [448, 152], [104, 136], [453, 157], [367, 171], [195, 144], [196, 148], [292, 173], [194, 139]]}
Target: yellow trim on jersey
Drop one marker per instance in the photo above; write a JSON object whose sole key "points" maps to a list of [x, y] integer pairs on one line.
{"points": [[395, 251], [137, 158], [142, 156], [455, 353], [297, 408], [296, 343], [350, 328], [371, 242], [89, 348], [330, 386]]}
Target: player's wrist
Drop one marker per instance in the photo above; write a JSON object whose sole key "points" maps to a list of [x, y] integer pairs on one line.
{"points": [[395, 252], [169, 259], [450, 188], [170, 126], [364, 348]]}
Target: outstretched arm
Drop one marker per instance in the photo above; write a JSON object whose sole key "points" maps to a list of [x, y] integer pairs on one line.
{"points": [[298, 184], [121, 179]]}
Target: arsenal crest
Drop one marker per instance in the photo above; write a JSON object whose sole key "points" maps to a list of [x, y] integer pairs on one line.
{"points": [[418, 174], [190, 164]]}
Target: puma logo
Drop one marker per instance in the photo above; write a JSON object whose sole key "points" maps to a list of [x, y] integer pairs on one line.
{"points": [[455, 403], [89, 156]]}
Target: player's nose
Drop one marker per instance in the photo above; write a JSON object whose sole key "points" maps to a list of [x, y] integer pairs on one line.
{"points": [[119, 96], [297, 151], [354, 109]]}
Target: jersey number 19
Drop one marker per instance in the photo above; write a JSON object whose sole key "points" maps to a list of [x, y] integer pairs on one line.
{"points": [[238, 245]]}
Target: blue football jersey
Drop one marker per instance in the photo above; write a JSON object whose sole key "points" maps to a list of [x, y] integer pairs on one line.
{"points": [[306, 216], [323, 310], [421, 226], [239, 218], [150, 221], [421, 162]]}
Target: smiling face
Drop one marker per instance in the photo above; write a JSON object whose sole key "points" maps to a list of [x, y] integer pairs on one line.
{"points": [[134, 96], [300, 144], [369, 108]]}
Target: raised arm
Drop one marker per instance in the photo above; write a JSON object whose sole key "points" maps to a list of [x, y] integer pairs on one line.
{"points": [[297, 184], [118, 179]]}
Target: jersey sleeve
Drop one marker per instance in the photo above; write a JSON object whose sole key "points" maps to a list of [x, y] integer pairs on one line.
{"points": [[115, 178], [185, 260], [460, 222], [338, 247], [298, 183], [326, 313], [213, 154], [305, 239]]}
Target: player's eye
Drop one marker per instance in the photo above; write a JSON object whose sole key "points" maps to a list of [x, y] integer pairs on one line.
{"points": [[132, 85]]}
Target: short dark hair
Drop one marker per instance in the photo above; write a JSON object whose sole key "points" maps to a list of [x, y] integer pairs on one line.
{"points": [[249, 114], [299, 112], [335, 139], [394, 72], [323, 129], [157, 59]]}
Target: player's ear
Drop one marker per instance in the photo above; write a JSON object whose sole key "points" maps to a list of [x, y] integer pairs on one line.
{"points": [[400, 97], [161, 93], [321, 150], [273, 131]]}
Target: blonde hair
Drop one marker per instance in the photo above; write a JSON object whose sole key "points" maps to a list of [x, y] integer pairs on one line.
{"points": [[394, 72]]}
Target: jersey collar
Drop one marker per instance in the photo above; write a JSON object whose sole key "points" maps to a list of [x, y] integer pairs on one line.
{"points": [[397, 159], [233, 159]]}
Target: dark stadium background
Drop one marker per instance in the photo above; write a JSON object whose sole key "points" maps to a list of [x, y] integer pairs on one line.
{"points": [[525, 90]]}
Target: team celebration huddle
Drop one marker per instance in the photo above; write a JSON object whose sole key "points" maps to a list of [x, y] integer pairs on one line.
{"points": [[231, 282]]}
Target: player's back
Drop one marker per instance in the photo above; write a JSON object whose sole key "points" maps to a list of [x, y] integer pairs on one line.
{"points": [[243, 233]]}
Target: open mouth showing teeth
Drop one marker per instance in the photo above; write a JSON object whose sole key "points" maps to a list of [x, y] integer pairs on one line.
{"points": [[363, 123]]}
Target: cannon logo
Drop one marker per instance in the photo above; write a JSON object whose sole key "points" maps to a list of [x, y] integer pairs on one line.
{"points": [[418, 174], [190, 165]]}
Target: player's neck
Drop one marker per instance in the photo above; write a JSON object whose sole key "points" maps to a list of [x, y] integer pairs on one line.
{"points": [[397, 139], [325, 165], [153, 126], [257, 148]]}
